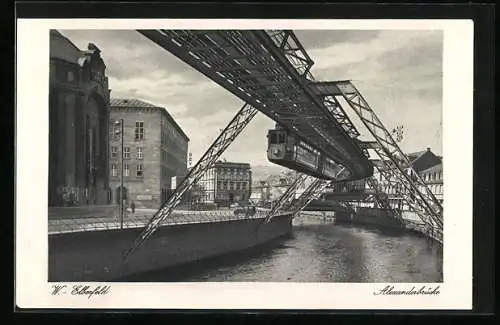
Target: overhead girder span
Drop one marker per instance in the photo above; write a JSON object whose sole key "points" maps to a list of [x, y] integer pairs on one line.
{"points": [[271, 75], [327, 92], [392, 157], [207, 161]]}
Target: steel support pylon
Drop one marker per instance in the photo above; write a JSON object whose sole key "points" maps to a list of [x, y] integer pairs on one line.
{"points": [[225, 138], [426, 204], [286, 196], [402, 190], [381, 197], [312, 192]]}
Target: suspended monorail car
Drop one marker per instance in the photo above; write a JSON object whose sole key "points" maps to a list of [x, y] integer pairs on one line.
{"points": [[286, 149]]}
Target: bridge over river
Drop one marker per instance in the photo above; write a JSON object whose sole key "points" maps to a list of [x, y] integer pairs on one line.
{"points": [[269, 71], [319, 250]]}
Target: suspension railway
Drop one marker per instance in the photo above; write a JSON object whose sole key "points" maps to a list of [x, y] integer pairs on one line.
{"points": [[270, 72]]}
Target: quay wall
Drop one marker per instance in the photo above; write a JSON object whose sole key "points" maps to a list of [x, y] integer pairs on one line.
{"points": [[96, 255], [368, 217], [376, 217]]}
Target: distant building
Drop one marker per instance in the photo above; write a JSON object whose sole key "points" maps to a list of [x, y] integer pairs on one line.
{"points": [[424, 159], [155, 152], [420, 161], [433, 178], [225, 183], [78, 124]]}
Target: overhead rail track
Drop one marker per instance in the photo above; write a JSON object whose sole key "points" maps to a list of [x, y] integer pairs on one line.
{"points": [[270, 70]]}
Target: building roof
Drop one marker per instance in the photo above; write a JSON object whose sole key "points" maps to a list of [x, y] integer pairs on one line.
{"points": [[131, 102], [62, 48], [137, 103], [231, 164], [412, 156], [433, 169]]}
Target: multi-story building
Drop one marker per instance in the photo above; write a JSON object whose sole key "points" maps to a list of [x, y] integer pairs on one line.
{"points": [[155, 152], [225, 183], [433, 178], [78, 124], [424, 159], [421, 161]]}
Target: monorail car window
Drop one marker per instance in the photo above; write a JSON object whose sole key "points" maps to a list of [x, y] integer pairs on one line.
{"points": [[274, 138]]}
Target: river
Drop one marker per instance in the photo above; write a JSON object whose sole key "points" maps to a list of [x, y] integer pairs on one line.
{"points": [[320, 251]]}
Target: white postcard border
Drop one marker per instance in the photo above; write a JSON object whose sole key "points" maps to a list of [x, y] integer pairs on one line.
{"points": [[32, 288]]}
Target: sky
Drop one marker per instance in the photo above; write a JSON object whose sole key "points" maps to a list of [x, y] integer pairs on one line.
{"points": [[398, 72]]}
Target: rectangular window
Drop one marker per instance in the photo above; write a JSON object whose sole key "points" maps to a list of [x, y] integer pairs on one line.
{"points": [[244, 185], [139, 153], [71, 76], [139, 130], [140, 171], [116, 131], [126, 170], [126, 153], [114, 170], [114, 152]]}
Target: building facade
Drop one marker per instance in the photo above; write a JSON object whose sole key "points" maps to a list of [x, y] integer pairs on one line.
{"points": [[78, 124], [155, 151], [423, 162], [433, 178], [225, 183]]}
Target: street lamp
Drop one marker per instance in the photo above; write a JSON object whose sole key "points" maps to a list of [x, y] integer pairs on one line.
{"points": [[119, 131]]}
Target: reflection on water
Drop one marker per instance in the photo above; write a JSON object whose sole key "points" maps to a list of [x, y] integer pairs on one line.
{"points": [[324, 252]]}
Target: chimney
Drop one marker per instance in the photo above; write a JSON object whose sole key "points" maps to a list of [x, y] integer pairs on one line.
{"points": [[428, 149]]}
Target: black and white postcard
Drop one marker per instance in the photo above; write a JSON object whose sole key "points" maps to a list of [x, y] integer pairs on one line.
{"points": [[244, 164]]}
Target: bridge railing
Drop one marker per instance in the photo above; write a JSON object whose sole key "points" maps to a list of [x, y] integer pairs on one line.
{"points": [[423, 228], [67, 225]]}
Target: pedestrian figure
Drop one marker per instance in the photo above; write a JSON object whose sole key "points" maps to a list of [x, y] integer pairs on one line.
{"points": [[132, 206]]}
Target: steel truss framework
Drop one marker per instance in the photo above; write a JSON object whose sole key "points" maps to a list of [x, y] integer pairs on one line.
{"points": [[325, 91], [395, 165], [381, 198], [225, 138], [392, 179], [312, 192], [270, 71], [284, 199]]}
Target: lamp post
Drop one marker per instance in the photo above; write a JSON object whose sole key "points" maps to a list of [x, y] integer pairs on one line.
{"points": [[119, 131]]}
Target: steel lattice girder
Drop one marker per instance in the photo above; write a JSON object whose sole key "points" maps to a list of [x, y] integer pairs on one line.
{"points": [[381, 197], [207, 161], [286, 196], [389, 147], [312, 192], [393, 178], [327, 92], [250, 65], [405, 188]]}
